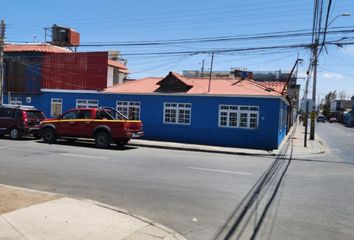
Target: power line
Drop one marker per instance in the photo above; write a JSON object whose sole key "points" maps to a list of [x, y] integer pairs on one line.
{"points": [[287, 34], [326, 26]]}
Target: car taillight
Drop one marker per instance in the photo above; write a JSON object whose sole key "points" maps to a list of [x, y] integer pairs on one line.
{"points": [[24, 118]]}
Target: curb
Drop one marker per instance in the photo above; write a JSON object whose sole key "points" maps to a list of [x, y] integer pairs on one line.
{"points": [[321, 145], [141, 218], [200, 150], [172, 233], [32, 190]]}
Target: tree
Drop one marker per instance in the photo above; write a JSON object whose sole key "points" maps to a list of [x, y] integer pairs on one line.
{"points": [[342, 95], [326, 103]]}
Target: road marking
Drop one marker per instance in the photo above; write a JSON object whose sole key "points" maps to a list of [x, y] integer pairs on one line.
{"points": [[220, 171], [83, 156]]}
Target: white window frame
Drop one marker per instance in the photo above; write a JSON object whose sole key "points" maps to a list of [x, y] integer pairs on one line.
{"points": [[128, 105], [15, 101], [56, 101], [179, 106], [86, 103], [238, 110]]}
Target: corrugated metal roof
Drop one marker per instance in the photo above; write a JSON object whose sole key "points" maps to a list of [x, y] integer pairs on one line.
{"points": [[38, 47], [235, 86]]}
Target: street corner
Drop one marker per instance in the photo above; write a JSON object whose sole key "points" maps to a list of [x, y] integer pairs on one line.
{"points": [[31, 214]]}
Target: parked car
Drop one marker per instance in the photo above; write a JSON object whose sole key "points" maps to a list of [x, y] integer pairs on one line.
{"points": [[332, 120], [321, 118], [18, 121], [105, 125]]}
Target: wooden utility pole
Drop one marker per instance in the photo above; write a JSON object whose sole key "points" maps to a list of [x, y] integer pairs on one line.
{"points": [[211, 70], [2, 43], [202, 72], [313, 112]]}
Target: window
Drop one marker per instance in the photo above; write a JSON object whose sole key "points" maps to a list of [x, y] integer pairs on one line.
{"points": [[86, 103], [56, 107], [105, 115], [35, 114], [7, 113], [84, 114], [177, 113], [238, 116], [71, 115], [16, 100], [129, 109]]}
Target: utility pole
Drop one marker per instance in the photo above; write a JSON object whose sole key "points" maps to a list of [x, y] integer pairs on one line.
{"points": [[202, 71], [306, 122], [2, 43], [211, 70], [313, 113]]}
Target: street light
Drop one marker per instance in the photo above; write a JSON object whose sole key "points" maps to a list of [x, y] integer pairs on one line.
{"points": [[340, 15]]}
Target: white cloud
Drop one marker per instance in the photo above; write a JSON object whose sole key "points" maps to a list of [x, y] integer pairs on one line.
{"points": [[332, 76]]}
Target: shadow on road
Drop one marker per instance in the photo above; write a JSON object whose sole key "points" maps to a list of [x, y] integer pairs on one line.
{"points": [[87, 144], [24, 138]]}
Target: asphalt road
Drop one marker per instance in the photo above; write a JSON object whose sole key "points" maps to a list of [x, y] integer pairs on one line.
{"points": [[315, 200], [339, 141], [190, 192]]}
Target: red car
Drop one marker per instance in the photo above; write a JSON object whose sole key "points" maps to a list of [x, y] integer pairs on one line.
{"points": [[105, 125], [332, 120], [18, 121]]}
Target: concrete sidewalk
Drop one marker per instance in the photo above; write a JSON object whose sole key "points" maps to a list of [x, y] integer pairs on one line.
{"points": [[54, 217], [313, 147], [199, 148]]}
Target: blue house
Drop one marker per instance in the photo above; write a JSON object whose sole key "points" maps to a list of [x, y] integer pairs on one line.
{"points": [[222, 112]]}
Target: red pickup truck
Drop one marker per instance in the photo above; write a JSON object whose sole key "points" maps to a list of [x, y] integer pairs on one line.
{"points": [[105, 125]]}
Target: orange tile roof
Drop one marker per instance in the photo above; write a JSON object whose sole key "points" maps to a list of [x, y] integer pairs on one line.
{"points": [[219, 86], [121, 66], [38, 47]]}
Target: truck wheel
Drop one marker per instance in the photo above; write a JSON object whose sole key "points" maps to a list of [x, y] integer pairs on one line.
{"points": [[14, 134], [102, 140], [48, 135]]}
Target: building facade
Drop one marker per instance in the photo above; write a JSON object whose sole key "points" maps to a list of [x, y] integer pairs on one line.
{"points": [[232, 113], [32, 67]]}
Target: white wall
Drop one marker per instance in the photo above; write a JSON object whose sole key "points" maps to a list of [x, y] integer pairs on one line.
{"points": [[110, 76]]}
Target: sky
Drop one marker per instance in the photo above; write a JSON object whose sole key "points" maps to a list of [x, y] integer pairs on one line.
{"points": [[113, 21]]}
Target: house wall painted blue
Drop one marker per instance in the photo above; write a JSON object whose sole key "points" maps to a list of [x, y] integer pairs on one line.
{"points": [[204, 126]]}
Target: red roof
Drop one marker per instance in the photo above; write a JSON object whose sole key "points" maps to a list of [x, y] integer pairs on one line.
{"points": [[121, 66], [219, 86], [40, 47]]}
